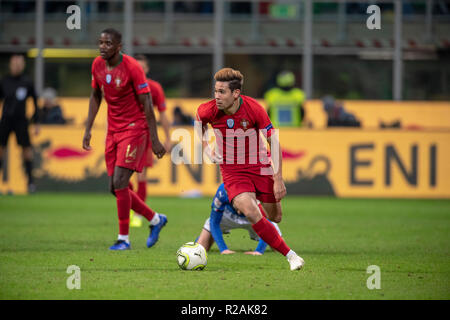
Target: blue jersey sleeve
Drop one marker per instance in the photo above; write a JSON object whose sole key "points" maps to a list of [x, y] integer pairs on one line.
{"points": [[216, 232], [220, 199], [218, 205], [261, 246]]}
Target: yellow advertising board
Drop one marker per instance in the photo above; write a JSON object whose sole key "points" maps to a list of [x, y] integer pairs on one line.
{"points": [[340, 162], [371, 114]]}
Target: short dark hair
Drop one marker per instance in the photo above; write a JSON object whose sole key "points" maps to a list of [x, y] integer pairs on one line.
{"points": [[114, 33]]}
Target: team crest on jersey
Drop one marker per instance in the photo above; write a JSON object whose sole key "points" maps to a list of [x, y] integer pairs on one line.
{"points": [[118, 81], [230, 123], [244, 124], [108, 78]]}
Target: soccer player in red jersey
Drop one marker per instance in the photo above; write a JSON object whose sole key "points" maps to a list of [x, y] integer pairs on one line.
{"points": [[131, 120], [247, 176], [159, 102]]}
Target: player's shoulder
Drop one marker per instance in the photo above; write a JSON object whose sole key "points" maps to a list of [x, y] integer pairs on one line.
{"points": [[129, 61], [97, 61], [252, 104], [207, 109]]}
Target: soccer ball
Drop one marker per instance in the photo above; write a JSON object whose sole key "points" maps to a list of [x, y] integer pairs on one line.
{"points": [[192, 256]]}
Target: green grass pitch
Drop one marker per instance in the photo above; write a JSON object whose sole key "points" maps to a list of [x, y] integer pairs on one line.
{"points": [[43, 234]]}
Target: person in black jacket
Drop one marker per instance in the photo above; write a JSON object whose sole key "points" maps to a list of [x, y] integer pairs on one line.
{"points": [[15, 89]]}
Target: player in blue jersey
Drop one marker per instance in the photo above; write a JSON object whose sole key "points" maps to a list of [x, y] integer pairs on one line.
{"points": [[223, 218]]}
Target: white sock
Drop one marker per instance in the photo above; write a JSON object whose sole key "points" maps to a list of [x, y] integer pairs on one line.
{"points": [[290, 254], [155, 220], [124, 238]]}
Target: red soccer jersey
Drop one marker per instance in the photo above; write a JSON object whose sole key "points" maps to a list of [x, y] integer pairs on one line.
{"points": [[158, 98], [120, 87], [239, 141]]}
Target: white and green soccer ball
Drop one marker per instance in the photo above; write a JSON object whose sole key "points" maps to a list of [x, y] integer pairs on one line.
{"points": [[192, 256]]}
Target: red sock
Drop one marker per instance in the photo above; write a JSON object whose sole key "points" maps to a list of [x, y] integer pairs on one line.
{"points": [[265, 229], [142, 190], [140, 206], [123, 209]]}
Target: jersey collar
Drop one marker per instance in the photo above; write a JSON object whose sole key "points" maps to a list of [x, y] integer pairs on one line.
{"points": [[120, 61]]}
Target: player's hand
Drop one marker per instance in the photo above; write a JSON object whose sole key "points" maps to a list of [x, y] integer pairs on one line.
{"points": [[214, 156], [228, 252], [279, 189], [253, 253], [158, 149], [87, 141]]}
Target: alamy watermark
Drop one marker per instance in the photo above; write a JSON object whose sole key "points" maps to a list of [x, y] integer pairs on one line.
{"points": [[74, 280], [374, 281], [374, 20], [241, 147], [74, 20]]}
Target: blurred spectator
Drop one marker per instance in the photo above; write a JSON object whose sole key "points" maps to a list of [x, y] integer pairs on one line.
{"points": [[337, 116], [181, 119], [51, 112], [15, 89], [285, 102]]}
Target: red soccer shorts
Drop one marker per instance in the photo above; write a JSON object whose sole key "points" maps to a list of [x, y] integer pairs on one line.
{"points": [[249, 181], [126, 149]]}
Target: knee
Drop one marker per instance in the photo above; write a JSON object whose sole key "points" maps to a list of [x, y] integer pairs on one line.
{"points": [[119, 182], [251, 212], [276, 219]]}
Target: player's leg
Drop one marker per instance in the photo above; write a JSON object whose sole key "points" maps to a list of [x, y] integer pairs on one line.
{"points": [[23, 139], [135, 160], [136, 218], [246, 203], [2, 152], [142, 184], [272, 208], [273, 211], [5, 130], [119, 186]]}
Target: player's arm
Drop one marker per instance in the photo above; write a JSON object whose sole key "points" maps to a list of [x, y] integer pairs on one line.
{"points": [[94, 104], [36, 116], [166, 128], [216, 232], [160, 102], [146, 101], [279, 189], [210, 152]]}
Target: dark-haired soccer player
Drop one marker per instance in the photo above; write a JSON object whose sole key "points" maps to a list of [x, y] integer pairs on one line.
{"points": [[247, 174], [121, 80], [159, 102]]}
